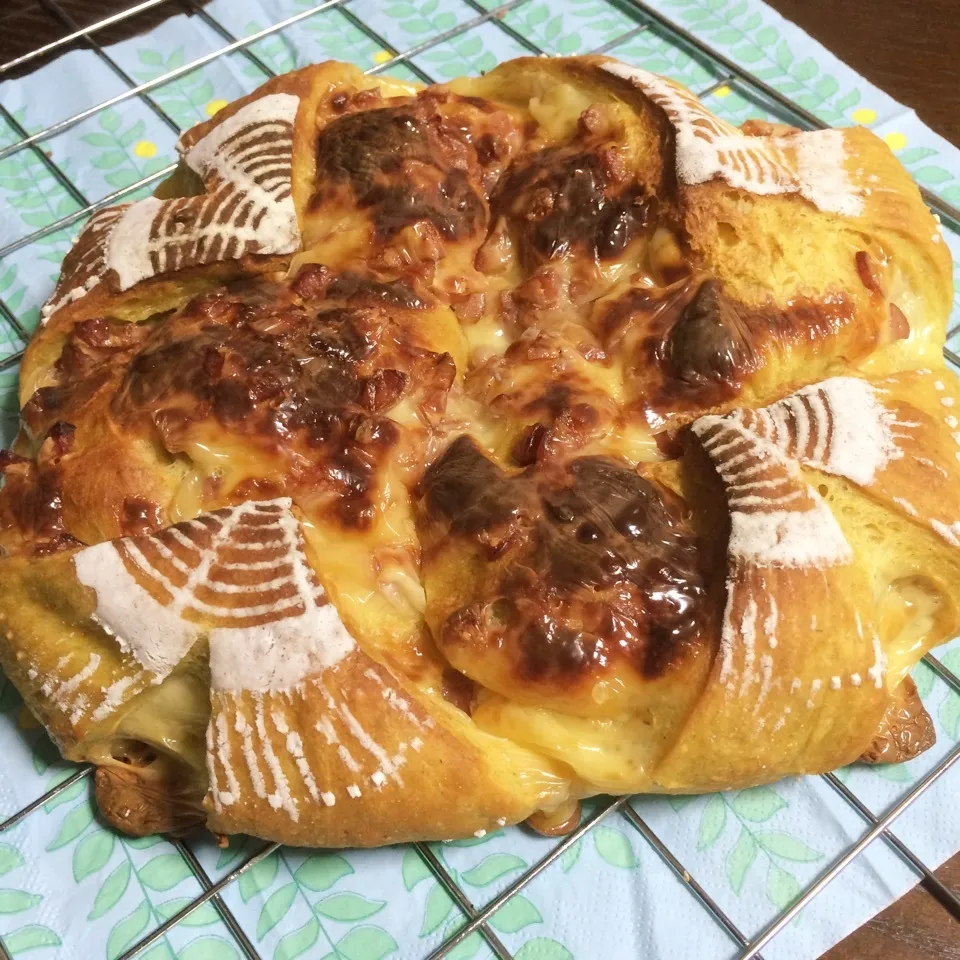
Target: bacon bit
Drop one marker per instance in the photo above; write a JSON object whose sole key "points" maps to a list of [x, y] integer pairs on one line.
{"points": [[430, 245], [470, 310], [58, 442], [899, 325], [214, 307], [366, 98], [509, 308], [544, 289], [390, 259], [438, 384], [669, 444], [592, 351], [529, 445], [213, 363], [533, 347], [540, 204], [382, 390], [312, 281], [494, 255], [614, 165], [865, 269], [591, 120]]}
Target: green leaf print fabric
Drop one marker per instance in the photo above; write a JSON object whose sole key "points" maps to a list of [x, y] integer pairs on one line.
{"points": [[71, 888]]}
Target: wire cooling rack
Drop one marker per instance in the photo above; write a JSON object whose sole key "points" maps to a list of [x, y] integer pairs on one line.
{"points": [[728, 75]]}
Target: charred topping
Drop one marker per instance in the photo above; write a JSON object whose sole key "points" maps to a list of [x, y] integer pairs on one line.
{"points": [[309, 381], [283, 361], [566, 199], [414, 163], [691, 345], [470, 492], [32, 503], [710, 342], [597, 563], [356, 287], [92, 342]]}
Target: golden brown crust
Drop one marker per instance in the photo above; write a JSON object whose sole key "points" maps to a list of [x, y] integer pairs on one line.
{"points": [[541, 436], [394, 745]]}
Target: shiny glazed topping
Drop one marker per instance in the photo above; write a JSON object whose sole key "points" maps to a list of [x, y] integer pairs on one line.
{"points": [[589, 564], [690, 345], [564, 267], [422, 162], [304, 374], [566, 200]]}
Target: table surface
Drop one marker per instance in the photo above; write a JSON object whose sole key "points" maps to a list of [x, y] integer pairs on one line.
{"points": [[907, 48]]}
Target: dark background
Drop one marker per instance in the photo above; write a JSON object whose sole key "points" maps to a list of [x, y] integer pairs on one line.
{"points": [[911, 49]]}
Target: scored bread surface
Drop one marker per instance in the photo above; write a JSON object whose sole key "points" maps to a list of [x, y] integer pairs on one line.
{"points": [[421, 460]]}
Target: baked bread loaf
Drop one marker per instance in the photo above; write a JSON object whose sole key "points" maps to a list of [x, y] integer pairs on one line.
{"points": [[418, 461]]}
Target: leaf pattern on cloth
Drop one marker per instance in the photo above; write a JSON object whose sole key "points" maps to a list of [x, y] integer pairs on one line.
{"points": [[748, 815], [744, 836]]}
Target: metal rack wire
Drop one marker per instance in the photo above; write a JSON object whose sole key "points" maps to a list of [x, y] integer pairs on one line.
{"points": [[730, 74]]}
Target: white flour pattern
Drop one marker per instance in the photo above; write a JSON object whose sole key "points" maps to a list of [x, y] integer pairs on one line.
{"points": [[777, 520], [370, 763], [240, 577], [84, 265], [245, 163], [810, 163], [838, 426]]}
